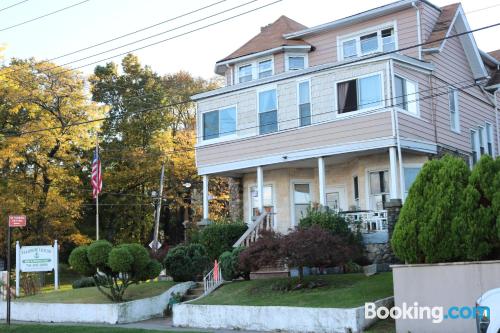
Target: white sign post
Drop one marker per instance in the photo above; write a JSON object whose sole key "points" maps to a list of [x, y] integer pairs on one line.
{"points": [[43, 258]]}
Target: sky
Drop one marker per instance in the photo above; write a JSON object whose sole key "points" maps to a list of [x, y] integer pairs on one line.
{"points": [[96, 21]]}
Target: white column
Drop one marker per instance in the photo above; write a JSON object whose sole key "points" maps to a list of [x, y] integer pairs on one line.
{"points": [[205, 197], [322, 182], [260, 189], [56, 265], [393, 173]]}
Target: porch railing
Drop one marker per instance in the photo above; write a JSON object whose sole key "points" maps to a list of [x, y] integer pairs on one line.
{"points": [[263, 222], [212, 280], [367, 221]]}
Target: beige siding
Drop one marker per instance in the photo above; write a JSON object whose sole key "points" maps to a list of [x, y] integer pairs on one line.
{"points": [[452, 68], [326, 43], [428, 18], [279, 63]]}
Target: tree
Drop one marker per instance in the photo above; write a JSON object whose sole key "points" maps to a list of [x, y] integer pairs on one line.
{"points": [[114, 269], [218, 238], [41, 171], [316, 247], [186, 262], [424, 232]]}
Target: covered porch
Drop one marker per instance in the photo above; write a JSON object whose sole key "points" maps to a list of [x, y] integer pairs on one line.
{"points": [[355, 184]]}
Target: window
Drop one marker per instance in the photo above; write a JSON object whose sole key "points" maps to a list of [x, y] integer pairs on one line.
{"points": [[265, 68], [489, 138], [406, 95], [379, 188], [480, 135], [245, 73], [304, 101], [359, 94], [219, 123], [356, 191], [453, 104], [474, 142], [296, 62], [268, 112], [383, 40], [349, 48], [301, 200], [268, 200], [410, 176]]}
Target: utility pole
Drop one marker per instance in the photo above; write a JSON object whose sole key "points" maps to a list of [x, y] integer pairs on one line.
{"points": [[158, 210]]}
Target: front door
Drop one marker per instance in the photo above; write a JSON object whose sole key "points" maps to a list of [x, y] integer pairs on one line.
{"points": [[335, 198]]}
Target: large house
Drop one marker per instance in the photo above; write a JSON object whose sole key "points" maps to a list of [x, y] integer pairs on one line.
{"points": [[344, 114]]}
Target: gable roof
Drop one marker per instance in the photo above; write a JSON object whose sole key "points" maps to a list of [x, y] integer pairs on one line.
{"points": [[442, 26], [270, 37], [495, 54]]}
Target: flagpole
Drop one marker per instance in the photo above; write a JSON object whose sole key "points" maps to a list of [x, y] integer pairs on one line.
{"points": [[97, 195]]}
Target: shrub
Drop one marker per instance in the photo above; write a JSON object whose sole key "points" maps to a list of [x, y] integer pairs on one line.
{"points": [[83, 282], [186, 262], [230, 266], [114, 269], [316, 247], [424, 231], [263, 252], [218, 238]]}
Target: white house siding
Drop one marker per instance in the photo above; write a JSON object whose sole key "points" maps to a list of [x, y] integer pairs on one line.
{"points": [[338, 174], [290, 137], [452, 67]]}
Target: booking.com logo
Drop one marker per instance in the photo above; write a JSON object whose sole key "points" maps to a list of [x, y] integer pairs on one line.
{"points": [[435, 313]]}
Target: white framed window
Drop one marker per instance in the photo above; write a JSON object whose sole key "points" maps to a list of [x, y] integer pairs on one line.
{"points": [[301, 200], [219, 123], [296, 62], [265, 68], [245, 73], [254, 201], [304, 102], [359, 93], [454, 111], [474, 142], [379, 189], [355, 181], [481, 138], [410, 174], [406, 95], [381, 39], [268, 111], [489, 139]]}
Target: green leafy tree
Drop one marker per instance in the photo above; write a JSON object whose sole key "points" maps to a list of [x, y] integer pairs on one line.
{"points": [[424, 232], [218, 238], [186, 262], [230, 265], [114, 269]]}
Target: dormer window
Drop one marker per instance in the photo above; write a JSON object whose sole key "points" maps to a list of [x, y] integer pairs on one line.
{"points": [[265, 68], [245, 73], [257, 69], [381, 40], [295, 62]]}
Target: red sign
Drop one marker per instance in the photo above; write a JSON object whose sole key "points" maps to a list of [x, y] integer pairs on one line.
{"points": [[17, 221]]}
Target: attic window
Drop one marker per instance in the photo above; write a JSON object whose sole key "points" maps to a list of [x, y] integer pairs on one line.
{"points": [[245, 73], [380, 40]]}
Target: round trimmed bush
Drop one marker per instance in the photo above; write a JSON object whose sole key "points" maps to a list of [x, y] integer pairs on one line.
{"points": [[120, 260], [186, 262], [98, 253], [79, 261]]}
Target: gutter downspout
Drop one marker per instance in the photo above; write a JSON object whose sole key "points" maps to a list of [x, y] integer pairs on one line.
{"points": [[497, 91], [396, 130], [419, 30]]}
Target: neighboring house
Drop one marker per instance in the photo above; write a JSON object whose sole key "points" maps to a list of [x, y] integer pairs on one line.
{"points": [[330, 115]]}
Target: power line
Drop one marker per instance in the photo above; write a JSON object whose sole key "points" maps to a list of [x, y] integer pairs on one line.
{"points": [[45, 15], [13, 5]]}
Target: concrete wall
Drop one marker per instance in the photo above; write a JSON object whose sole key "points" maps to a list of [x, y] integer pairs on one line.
{"points": [[271, 318], [447, 285], [93, 313]]}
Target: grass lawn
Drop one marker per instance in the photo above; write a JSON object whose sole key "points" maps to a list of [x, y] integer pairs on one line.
{"points": [[72, 329], [92, 296], [341, 291], [383, 326]]}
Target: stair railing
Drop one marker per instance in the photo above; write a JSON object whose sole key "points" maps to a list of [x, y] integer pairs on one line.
{"points": [[263, 222], [212, 280]]}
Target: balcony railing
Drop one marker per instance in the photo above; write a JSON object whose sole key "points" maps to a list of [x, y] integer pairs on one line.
{"points": [[367, 221]]}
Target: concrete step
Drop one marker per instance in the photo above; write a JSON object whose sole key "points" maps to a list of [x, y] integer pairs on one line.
{"points": [[190, 297]]}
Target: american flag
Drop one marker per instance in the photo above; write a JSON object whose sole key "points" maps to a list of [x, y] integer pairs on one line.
{"points": [[96, 178]]}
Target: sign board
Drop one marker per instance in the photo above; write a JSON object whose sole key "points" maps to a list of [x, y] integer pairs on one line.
{"points": [[37, 258], [152, 244], [16, 221]]}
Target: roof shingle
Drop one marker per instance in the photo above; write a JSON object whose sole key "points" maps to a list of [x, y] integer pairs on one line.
{"points": [[270, 37], [442, 26], [495, 54]]}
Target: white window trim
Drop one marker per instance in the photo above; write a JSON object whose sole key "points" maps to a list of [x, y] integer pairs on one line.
{"points": [[367, 184], [304, 55], [258, 91], [298, 101], [237, 72], [249, 191], [457, 109], [255, 68], [224, 137], [365, 110], [357, 35], [474, 149], [417, 97], [410, 165], [485, 142], [295, 223], [487, 123]]}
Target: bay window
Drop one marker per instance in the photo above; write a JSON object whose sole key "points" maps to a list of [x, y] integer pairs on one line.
{"points": [[406, 95], [304, 101], [383, 40], [358, 94], [296, 62], [268, 111], [219, 123]]}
